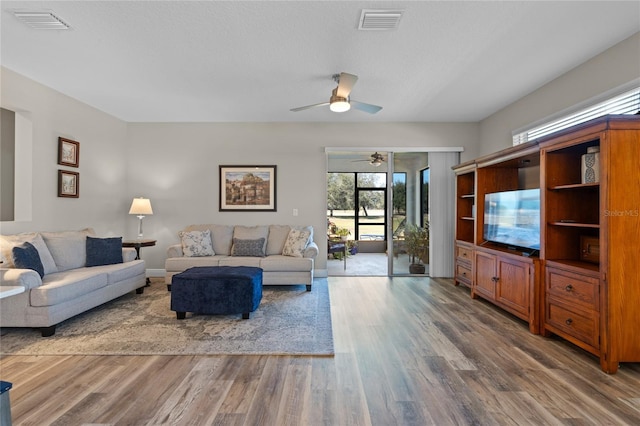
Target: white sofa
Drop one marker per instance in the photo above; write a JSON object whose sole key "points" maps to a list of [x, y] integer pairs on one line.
{"points": [[68, 286], [286, 258]]}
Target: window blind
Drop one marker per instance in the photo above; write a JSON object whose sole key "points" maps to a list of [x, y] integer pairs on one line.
{"points": [[627, 103]]}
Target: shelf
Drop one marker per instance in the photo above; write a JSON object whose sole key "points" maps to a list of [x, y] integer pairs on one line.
{"points": [[576, 265], [575, 186], [576, 224]]}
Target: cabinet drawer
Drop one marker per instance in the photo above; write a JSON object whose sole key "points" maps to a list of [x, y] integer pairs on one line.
{"points": [[583, 325], [573, 288], [464, 253], [463, 272]]}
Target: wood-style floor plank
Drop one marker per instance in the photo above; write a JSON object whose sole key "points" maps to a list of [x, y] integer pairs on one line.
{"points": [[408, 351]]}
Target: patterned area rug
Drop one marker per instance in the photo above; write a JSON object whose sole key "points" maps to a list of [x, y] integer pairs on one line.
{"points": [[288, 321]]}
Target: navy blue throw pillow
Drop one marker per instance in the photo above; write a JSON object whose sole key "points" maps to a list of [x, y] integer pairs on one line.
{"points": [[25, 256], [104, 251]]}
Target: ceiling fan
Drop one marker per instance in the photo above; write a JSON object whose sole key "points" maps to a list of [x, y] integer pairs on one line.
{"points": [[340, 100], [375, 159]]}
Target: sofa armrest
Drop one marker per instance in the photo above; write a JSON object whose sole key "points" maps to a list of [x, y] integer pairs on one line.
{"points": [[311, 251], [128, 254], [26, 278], [175, 250]]}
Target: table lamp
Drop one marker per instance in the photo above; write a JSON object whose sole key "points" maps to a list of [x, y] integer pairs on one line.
{"points": [[140, 207]]}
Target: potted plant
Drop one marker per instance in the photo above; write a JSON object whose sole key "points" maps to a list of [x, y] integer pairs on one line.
{"points": [[416, 241], [343, 233], [352, 247]]}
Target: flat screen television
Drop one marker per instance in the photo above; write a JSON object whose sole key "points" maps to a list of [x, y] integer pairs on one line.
{"points": [[512, 218]]}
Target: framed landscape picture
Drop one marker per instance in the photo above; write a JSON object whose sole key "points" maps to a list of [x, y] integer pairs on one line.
{"points": [[68, 184], [248, 188], [68, 152]]}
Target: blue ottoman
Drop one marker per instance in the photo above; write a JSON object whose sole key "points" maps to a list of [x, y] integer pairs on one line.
{"points": [[217, 290]]}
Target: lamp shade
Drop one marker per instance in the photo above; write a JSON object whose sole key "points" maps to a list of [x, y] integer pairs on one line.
{"points": [[141, 206]]}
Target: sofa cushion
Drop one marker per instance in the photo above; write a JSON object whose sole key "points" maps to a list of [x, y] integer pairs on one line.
{"points": [[281, 263], [241, 261], [25, 256], [121, 271], [104, 251], [68, 248], [252, 233], [182, 263], [296, 242], [221, 236], [277, 237], [197, 243], [67, 285], [253, 248], [7, 242]]}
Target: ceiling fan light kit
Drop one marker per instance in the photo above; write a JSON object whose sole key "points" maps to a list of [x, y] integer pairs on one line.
{"points": [[340, 100]]}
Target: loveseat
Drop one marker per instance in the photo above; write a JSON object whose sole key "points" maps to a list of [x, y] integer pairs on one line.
{"points": [[285, 253], [63, 274]]}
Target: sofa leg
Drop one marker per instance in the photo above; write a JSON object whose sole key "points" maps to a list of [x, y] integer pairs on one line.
{"points": [[140, 290], [245, 315], [48, 331], [181, 315], [308, 287], [168, 287]]}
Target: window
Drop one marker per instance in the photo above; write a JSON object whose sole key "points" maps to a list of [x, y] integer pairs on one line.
{"points": [[627, 103]]}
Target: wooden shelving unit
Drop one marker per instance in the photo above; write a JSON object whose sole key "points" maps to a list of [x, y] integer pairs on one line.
{"points": [[585, 285]]}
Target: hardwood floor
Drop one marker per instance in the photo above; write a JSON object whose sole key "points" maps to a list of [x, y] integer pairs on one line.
{"points": [[409, 351]]}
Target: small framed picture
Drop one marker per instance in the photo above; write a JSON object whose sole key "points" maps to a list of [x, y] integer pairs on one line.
{"points": [[68, 152], [248, 188], [68, 184]]}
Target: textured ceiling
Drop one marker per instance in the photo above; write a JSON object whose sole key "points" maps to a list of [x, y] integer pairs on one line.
{"points": [[217, 61]]}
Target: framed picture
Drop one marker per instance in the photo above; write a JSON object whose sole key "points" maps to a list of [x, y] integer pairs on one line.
{"points": [[68, 184], [68, 152], [248, 188]]}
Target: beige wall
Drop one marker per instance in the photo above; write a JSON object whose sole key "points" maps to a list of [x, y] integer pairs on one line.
{"points": [[614, 68], [103, 145], [176, 166]]}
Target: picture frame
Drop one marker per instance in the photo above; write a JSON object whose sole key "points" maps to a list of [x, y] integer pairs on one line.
{"points": [[68, 184], [248, 188], [68, 152]]}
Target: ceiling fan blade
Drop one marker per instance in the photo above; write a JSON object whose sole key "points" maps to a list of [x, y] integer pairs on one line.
{"points": [[345, 84], [371, 109], [309, 106]]}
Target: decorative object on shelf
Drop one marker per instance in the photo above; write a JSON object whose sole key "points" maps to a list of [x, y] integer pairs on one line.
{"points": [[343, 233], [141, 207], [68, 184], [248, 188], [68, 152], [590, 249], [416, 241], [591, 165]]}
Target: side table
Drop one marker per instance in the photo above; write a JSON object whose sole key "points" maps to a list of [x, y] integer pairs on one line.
{"points": [[136, 244]]}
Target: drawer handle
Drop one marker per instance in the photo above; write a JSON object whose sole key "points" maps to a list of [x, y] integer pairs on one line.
{"points": [[464, 274], [569, 287], [569, 321], [464, 254]]}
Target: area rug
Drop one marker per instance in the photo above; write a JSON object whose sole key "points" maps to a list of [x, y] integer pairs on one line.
{"points": [[289, 321]]}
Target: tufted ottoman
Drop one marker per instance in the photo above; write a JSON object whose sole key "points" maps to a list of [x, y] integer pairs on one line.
{"points": [[217, 290]]}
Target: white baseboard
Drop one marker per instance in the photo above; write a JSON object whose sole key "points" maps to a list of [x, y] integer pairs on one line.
{"points": [[154, 273]]}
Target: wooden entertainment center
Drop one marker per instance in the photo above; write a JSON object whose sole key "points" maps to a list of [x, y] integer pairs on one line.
{"points": [[584, 283]]}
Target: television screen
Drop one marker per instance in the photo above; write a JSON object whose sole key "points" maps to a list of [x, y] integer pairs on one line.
{"points": [[513, 218]]}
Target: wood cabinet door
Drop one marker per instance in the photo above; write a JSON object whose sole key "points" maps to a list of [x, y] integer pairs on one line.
{"points": [[513, 286], [485, 280]]}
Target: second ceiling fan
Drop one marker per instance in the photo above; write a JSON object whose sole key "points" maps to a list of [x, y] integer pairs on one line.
{"points": [[340, 100]]}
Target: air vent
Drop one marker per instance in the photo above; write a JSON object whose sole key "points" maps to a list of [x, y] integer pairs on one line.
{"points": [[379, 20], [41, 20]]}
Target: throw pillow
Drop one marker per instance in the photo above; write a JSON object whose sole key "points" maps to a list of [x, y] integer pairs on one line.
{"points": [[25, 256], [7, 242], [104, 251], [253, 248], [197, 243], [297, 241]]}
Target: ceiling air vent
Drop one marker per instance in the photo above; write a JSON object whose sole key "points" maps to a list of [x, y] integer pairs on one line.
{"points": [[41, 20], [379, 20]]}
